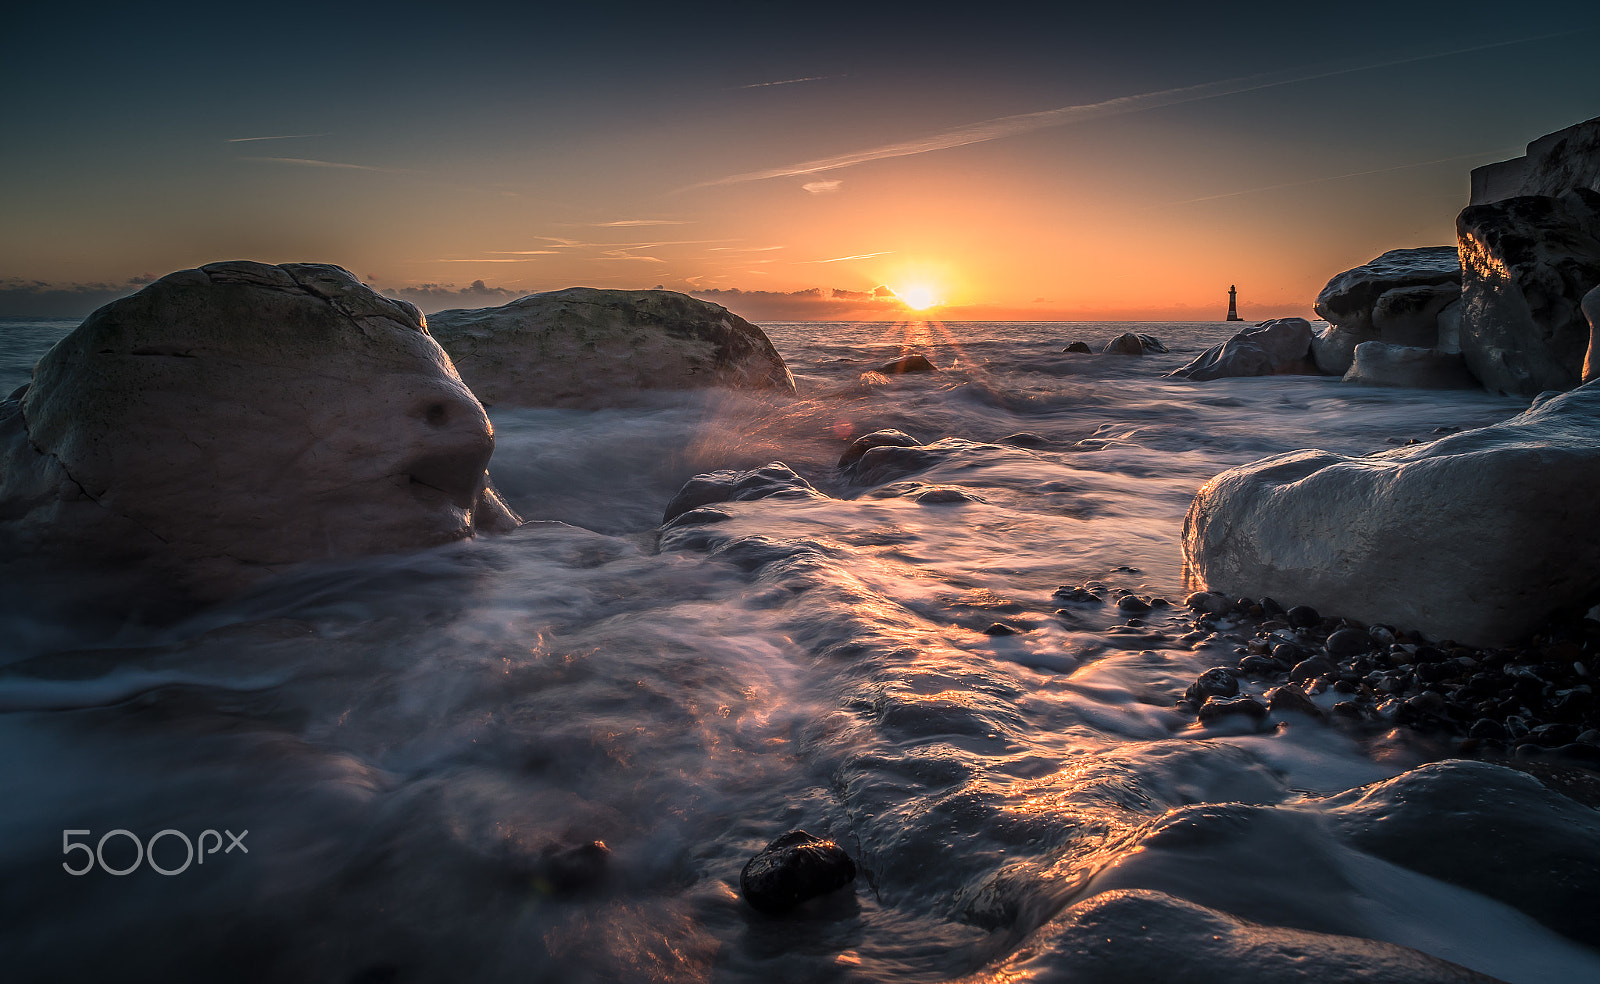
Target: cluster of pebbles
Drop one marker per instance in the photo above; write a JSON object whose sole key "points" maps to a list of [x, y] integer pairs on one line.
{"points": [[1530, 700]]}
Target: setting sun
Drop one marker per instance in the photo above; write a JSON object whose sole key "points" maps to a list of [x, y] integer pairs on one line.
{"points": [[919, 297]]}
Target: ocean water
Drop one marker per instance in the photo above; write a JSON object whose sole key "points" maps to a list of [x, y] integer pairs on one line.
{"points": [[421, 745]]}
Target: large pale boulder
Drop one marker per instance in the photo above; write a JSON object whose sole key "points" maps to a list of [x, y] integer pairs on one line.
{"points": [[1555, 163], [584, 345], [1479, 536], [226, 422], [1528, 262], [1382, 364], [1272, 348], [1349, 300]]}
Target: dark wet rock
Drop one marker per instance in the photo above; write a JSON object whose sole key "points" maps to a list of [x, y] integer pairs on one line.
{"points": [[1133, 605], [1384, 364], [1303, 616], [1488, 729], [1349, 642], [1349, 709], [945, 495], [912, 362], [1126, 343], [793, 868], [1216, 708], [1215, 682], [1291, 698], [999, 629], [1079, 348], [1529, 261], [228, 422], [1152, 344], [774, 480], [1260, 666], [1272, 348], [1307, 669], [584, 345], [1286, 654], [1139, 935], [1391, 548], [1028, 440], [885, 438], [1078, 595], [1348, 300], [569, 868], [1207, 601], [1529, 847]]}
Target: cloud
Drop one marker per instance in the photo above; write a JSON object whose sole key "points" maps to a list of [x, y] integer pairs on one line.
{"points": [[640, 222], [43, 299], [286, 136], [1009, 126], [857, 256], [809, 78], [432, 298], [304, 162], [811, 304], [822, 187]]}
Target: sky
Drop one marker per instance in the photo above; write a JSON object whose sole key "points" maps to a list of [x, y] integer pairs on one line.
{"points": [[790, 161]]}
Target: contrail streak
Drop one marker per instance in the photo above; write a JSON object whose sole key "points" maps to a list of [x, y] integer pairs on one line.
{"points": [[1008, 126]]}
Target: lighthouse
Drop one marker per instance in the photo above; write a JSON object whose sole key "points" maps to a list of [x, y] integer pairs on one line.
{"points": [[1233, 304]]}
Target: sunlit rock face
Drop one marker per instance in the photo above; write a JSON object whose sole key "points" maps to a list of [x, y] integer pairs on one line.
{"points": [[1528, 262], [1273, 348], [1555, 163], [1479, 536], [1395, 298], [229, 421], [584, 345], [1381, 364]]}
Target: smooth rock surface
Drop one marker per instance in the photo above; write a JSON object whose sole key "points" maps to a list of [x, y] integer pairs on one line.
{"points": [[1127, 343], [1334, 350], [1382, 364], [585, 345], [1528, 263], [1273, 348], [1132, 935], [226, 422], [1348, 300], [793, 868], [1410, 315], [1403, 537], [912, 362], [1556, 162], [773, 480]]}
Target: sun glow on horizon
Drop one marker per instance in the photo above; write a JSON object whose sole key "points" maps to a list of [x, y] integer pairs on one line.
{"points": [[919, 297]]}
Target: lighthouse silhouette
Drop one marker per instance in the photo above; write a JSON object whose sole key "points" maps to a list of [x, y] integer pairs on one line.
{"points": [[1233, 303]]}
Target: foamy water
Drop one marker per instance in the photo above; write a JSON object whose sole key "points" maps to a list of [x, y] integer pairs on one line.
{"points": [[411, 739]]}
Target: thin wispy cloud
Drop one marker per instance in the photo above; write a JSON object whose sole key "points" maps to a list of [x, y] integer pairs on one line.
{"points": [[305, 162], [457, 260], [286, 136], [1480, 155], [822, 187], [857, 256], [629, 256], [640, 222], [525, 252], [1010, 126], [809, 78], [744, 249]]}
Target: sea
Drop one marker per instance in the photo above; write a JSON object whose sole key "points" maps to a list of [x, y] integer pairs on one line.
{"points": [[417, 752]]}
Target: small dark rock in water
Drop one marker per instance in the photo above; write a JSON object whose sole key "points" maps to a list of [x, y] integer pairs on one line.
{"points": [[1133, 605], [792, 869], [1027, 440], [1215, 682], [1551, 735], [571, 868], [1428, 704], [1079, 348], [1151, 343], [1488, 729], [1307, 668], [888, 437], [914, 362], [1082, 596], [1348, 708], [1303, 616], [1270, 608], [1285, 654], [946, 496], [1292, 698], [1207, 601], [1349, 642], [1220, 707], [1260, 666], [999, 629]]}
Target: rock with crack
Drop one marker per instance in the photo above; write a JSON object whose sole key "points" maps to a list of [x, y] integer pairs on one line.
{"points": [[227, 422], [585, 346]]}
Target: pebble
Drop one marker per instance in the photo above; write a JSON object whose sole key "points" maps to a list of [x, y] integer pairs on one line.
{"points": [[1220, 707], [1349, 642], [1215, 682], [1133, 604], [1307, 668], [1292, 698], [999, 629], [1303, 616], [793, 868]]}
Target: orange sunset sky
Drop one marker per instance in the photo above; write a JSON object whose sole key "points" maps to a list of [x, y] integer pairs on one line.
{"points": [[1079, 164]]}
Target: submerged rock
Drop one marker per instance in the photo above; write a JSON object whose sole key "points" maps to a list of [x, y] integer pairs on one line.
{"points": [[1126, 343], [1529, 261], [1080, 348], [226, 422], [912, 362], [775, 480], [1273, 348], [793, 868], [584, 344], [1399, 537], [886, 438], [1382, 364], [1142, 935]]}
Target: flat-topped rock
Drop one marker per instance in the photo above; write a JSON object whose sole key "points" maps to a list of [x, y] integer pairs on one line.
{"points": [[584, 345], [1555, 163], [1529, 263], [1348, 300], [1479, 536], [226, 422]]}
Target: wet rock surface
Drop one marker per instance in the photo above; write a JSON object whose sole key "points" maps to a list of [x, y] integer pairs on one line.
{"points": [[792, 869], [1273, 348]]}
